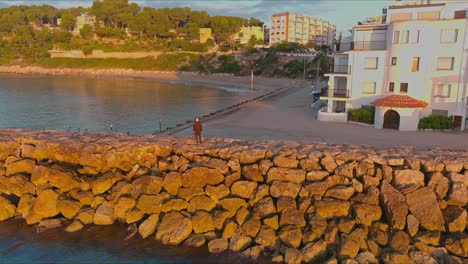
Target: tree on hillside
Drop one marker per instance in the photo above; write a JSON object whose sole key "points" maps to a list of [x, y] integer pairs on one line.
{"points": [[199, 18], [224, 26], [255, 22], [86, 32], [151, 22], [178, 16], [68, 22], [115, 13], [11, 18]]}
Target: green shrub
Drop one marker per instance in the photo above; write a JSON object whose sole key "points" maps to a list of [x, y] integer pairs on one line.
{"points": [[362, 115], [435, 122], [87, 50], [228, 65]]}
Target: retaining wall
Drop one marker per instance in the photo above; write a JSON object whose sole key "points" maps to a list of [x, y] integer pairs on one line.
{"points": [[289, 201]]}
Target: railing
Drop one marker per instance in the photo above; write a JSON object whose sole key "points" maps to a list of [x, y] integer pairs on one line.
{"points": [[340, 69], [369, 45], [338, 93], [361, 45]]}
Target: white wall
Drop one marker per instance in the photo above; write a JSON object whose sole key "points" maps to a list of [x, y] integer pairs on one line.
{"points": [[409, 118]]}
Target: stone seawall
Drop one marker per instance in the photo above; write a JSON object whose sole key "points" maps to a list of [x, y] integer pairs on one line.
{"points": [[288, 201]]}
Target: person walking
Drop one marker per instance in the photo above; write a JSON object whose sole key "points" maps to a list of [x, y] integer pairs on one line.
{"points": [[197, 129]]}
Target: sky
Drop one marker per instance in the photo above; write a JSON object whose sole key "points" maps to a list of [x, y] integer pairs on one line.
{"points": [[344, 13]]}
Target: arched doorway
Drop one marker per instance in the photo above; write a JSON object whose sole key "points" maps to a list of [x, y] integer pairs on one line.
{"points": [[391, 120]]}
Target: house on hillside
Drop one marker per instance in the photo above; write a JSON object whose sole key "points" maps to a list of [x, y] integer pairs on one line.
{"points": [[245, 34], [82, 20], [410, 65], [205, 34]]}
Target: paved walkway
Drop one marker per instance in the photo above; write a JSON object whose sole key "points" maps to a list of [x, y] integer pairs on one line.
{"points": [[289, 117]]}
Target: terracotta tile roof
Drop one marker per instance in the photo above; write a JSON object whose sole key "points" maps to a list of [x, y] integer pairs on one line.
{"points": [[399, 101]]}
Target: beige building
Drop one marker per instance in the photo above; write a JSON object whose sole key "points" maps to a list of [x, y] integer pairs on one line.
{"points": [[245, 34], [301, 28], [82, 20], [410, 66]]}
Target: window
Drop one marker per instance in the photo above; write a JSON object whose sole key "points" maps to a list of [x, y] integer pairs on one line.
{"points": [[414, 36], [448, 35], [440, 112], [370, 63], [396, 36], [460, 14], [369, 88], [415, 65], [391, 87], [394, 59], [404, 36], [403, 87], [442, 90], [445, 63]]}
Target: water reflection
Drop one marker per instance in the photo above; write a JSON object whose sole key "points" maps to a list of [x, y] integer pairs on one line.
{"points": [[130, 105]]}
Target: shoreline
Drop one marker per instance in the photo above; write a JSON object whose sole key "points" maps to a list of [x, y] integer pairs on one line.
{"points": [[189, 78]]}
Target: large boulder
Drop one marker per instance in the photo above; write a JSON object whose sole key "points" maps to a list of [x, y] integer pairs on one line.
{"points": [[104, 183], [314, 252], [332, 208], [286, 162], [251, 155], [150, 185], [174, 228], [174, 205], [232, 204], [439, 184], [239, 240], [203, 202], [8, 209], [172, 182], [201, 176], [292, 217], [251, 227], [202, 222], [458, 244], [16, 185], [123, 205], [104, 214], [423, 205], [291, 236], [65, 180], [45, 206], [243, 189], [265, 207], [68, 207], [20, 166], [458, 194], [86, 216], [252, 172], [367, 214], [287, 175], [455, 218], [148, 226], [217, 192], [266, 236], [218, 245], [293, 256], [407, 181], [340, 192], [394, 204], [25, 204], [348, 248], [400, 242], [289, 189], [150, 204]]}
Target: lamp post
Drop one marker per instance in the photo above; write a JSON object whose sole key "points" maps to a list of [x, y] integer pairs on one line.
{"points": [[252, 66]]}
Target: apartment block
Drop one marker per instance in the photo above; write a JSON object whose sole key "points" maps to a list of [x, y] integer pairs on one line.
{"points": [[301, 28], [412, 64]]}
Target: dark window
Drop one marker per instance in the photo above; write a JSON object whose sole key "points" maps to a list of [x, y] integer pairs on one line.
{"points": [[415, 65], [460, 14], [394, 59], [391, 87], [403, 87]]}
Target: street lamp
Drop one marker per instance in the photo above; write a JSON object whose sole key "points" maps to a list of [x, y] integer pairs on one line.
{"points": [[252, 66]]}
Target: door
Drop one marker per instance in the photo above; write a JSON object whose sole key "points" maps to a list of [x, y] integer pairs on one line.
{"points": [[391, 120], [457, 120]]}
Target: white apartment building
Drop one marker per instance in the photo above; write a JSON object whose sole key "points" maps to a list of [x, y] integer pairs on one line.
{"points": [[410, 66], [300, 28]]}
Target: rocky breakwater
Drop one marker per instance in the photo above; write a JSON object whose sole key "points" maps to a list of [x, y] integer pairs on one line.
{"points": [[287, 201]]}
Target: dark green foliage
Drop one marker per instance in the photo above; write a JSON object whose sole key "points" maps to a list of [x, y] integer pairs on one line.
{"points": [[228, 65], [362, 115], [435, 122], [107, 32], [86, 32]]}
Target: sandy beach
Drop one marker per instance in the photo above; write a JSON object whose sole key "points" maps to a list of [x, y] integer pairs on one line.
{"points": [[243, 82]]}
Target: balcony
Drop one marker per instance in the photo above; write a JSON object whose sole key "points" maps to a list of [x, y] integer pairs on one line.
{"points": [[345, 69], [361, 45], [332, 93]]}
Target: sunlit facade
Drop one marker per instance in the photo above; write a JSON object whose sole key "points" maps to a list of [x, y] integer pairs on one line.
{"points": [[302, 29], [415, 62]]}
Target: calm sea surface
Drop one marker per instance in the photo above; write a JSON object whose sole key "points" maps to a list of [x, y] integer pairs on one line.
{"points": [[130, 105], [93, 104]]}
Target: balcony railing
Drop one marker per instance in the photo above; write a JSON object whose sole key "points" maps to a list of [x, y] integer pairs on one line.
{"points": [[361, 45], [340, 69], [335, 93], [369, 45]]}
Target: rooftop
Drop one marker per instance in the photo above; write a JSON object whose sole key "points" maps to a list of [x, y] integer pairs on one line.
{"points": [[399, 101]]}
